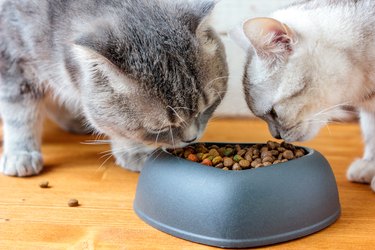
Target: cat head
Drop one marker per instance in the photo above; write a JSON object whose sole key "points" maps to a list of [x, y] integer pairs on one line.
{"points": [[154, 73], [295, 82]]}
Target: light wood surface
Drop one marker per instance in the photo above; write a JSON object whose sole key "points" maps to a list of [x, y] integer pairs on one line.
{"points": [[35, 218]]}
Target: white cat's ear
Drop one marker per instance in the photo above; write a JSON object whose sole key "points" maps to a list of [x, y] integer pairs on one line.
{"points": [[270, 38]]}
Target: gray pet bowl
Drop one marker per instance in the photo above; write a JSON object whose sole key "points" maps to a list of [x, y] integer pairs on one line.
{"points": [[237, 209]]}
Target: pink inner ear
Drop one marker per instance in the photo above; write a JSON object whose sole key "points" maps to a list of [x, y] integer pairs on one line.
{"points": [[257, 28]]}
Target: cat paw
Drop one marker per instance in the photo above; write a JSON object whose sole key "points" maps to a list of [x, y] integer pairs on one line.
{"points": [[131, 161], [21, 164], [362, 171]]}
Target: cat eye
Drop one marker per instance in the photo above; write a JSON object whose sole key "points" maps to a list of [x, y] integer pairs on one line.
{"points": [[158, 130], [273, 114]]}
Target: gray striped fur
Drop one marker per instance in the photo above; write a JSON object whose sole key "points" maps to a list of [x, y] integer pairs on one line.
{"points": [[144, 73]]}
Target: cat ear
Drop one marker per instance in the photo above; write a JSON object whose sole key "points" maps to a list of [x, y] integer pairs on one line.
{"points": [[199, 12], [271, 39], [102, 70]]}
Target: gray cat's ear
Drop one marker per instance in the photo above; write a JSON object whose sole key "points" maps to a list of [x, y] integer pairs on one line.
{"points": [[199, 11], [102, 70], [271, 39]]}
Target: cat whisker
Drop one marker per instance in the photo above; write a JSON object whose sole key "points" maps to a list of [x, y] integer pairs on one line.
{"points": [[331, 108], [179, 117], [329, 130], [157, 136], [218, 93], [186, 108], [96, 142], [219, 78], [142, 157], [171, 133], [160, 152], [117, 150], [105, 161]]}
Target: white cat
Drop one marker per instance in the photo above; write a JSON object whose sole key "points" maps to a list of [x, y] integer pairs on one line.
{"points": [[308, 61]]}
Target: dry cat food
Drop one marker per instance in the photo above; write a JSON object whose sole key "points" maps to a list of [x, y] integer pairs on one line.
{"points": [[44, 184], [73, 203], [236, 157]]}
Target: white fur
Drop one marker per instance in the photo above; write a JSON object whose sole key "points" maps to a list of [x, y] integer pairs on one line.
{"points": [[331, 65]]}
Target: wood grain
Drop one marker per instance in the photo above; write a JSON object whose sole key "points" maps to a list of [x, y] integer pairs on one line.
{"points": [[35, 218]]}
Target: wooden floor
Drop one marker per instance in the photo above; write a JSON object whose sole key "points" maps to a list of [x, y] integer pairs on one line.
{"points": [[35, 218]]}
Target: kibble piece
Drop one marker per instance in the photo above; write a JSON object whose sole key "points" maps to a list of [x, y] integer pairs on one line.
{"points": [[281, 149], [248, 156], [242, 152], [207, 162], [236, 166], [264, 149], [287, 145], [288, 154], [228, 152], [220, 165], [244, 163], [200, 156], [217, 160], [280, 157], [221, 151], [228, 162], [205, 156], [193, 157], [187, 152], [202, 149], [268, 159], [276, 162], [272, 145], [73, 203], [213, 152], [214, 147], [237, 158], [237, 147], [259, 165], [299, 153], [256, 152], [256, 162], [44, 184], [266, 154], [225, 168], [267, 163], [274, 152]]}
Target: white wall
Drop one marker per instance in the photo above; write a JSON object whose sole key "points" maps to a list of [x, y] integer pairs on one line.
{"points": [[227, 15]]}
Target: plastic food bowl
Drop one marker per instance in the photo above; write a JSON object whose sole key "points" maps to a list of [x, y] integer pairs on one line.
{"points": [[237, 209]]}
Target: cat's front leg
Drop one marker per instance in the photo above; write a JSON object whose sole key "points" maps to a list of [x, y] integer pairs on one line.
{"points": [[21, 111], [130, 155], [363, 170]]}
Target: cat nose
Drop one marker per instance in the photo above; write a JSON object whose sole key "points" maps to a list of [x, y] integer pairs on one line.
{"points": [[189, 141]]}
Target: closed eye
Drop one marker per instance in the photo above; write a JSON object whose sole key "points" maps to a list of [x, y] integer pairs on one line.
{"points": [[158, 130], [273, 114]]}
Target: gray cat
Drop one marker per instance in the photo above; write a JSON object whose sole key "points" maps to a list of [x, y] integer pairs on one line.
{"points": [[145, 73]]}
